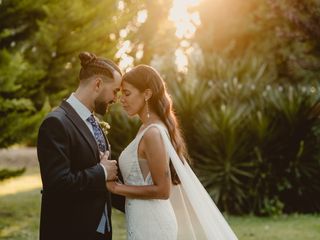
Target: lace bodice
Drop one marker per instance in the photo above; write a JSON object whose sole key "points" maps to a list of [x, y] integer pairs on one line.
{"points": [[146, 219], [129, 163]]}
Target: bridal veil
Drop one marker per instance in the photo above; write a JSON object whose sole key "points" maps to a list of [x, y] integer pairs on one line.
{"points": [[197, 215]]}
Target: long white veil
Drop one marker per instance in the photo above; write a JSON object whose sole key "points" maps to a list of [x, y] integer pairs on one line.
{"points": [[197, 215]]}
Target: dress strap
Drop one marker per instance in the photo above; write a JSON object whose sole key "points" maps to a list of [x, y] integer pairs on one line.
{"points": [[157, 125], [137, 163]]}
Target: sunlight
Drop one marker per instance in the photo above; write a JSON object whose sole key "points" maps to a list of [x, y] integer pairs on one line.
{"points": [[124, 48], [121, 5], [185, 22], [20, 184], [126, 62], [142, 16], [181, 60]]}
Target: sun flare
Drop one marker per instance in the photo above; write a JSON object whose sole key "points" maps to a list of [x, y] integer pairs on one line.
{"points": [[186, 22], [184, 18]]}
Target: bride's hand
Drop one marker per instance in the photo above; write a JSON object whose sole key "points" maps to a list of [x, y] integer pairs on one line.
{"points": [[111, 185]]}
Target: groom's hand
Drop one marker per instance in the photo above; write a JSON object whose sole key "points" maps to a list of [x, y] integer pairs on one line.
{"points": [[110, 166]]}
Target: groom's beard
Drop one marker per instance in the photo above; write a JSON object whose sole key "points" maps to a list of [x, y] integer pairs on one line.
{"points": [[100, 107]]}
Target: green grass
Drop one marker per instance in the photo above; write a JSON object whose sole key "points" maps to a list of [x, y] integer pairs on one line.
{"points": [[285, 227], [20, 208]]}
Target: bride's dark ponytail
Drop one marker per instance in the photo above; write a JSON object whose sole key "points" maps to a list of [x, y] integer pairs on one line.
{"points": [[145, 77]]}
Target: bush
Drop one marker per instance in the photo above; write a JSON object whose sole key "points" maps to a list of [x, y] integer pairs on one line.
{"points": [[254, 142], [8, 173]]}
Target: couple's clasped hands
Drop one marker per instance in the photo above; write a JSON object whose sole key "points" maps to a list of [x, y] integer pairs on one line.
{"points": [[112, 170]]}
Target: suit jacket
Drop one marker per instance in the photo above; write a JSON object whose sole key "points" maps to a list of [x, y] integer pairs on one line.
{"points": [[74, 187]]}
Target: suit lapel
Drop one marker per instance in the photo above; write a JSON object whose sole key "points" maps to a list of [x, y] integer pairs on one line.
{"points": [[81, 126]]}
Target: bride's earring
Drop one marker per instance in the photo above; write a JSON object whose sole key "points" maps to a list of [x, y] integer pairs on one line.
{"points": [[148, 113]]}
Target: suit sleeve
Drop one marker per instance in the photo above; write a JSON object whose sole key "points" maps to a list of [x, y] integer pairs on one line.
{"points": [[118, 202], [54, 157]]}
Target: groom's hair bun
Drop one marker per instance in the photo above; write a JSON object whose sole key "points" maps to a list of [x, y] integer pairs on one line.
{"points": [[86, 58], [92, 65]]}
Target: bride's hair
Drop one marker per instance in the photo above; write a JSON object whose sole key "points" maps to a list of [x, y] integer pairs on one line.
{"points": [[145, 77], [92, 65]]}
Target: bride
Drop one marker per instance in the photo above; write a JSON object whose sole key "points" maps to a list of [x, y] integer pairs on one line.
{"points": [[164, 198]]}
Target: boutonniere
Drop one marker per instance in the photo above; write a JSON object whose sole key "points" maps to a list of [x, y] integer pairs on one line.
{"points": [[105, 127]]}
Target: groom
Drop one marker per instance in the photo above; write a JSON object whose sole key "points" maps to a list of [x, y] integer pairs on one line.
{"points": [[73, 154]]}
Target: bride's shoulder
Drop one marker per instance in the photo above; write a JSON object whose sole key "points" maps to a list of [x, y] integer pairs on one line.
{"points": [[152, 140], [152, 133]]}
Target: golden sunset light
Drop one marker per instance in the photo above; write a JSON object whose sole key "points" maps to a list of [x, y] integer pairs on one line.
{"points": [[185, 22], [172, 110]]}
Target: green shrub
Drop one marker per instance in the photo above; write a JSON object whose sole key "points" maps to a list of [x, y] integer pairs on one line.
{"points": [[8, 173]]}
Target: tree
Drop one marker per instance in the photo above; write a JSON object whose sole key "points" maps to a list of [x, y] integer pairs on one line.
{"points": [[39, 47], [18, 77], [299, 31]]}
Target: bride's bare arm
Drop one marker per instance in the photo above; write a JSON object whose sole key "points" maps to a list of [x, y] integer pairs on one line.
{"points": [[152, 148]]}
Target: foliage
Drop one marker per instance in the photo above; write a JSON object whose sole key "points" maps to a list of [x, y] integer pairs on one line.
{"points": [[298, 28], [38, 57], [250, 122], [253, 141], [7, 173], [68, 29], [148, 39], [284, 33], [18, 77]]}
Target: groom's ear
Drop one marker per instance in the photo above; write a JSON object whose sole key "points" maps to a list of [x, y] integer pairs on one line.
{"points": [[97, 83], [147, 94]]}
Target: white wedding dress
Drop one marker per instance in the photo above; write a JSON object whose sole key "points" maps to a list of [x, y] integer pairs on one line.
{"points": [[189, 213]]}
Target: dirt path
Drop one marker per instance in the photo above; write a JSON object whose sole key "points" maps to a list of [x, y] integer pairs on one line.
{"points": [[18, 157]]}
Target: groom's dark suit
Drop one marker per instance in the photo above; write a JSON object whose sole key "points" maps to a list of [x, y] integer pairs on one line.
{"points": [[74, 186]]}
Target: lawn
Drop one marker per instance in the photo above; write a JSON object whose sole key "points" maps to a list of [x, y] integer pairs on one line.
{"points": [[20, 208]]}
